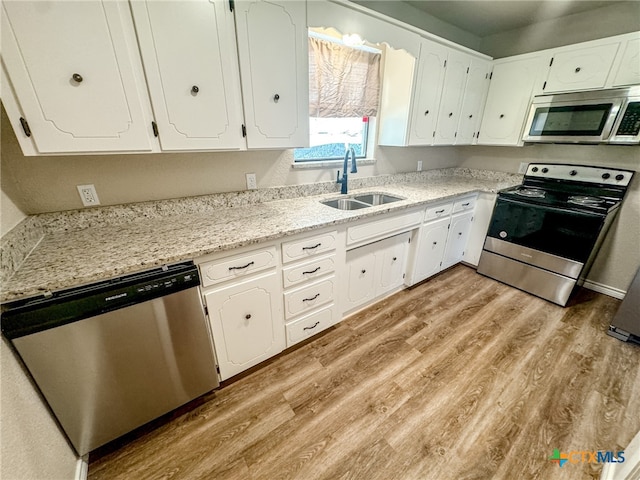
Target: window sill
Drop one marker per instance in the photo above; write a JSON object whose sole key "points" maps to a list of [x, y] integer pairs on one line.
{"points": [[330, 163]]}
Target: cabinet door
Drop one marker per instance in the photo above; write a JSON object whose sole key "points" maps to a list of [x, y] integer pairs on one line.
{"points": [[428, 91], [581, 68], [190, 60], [246, 320], [459, 231], [392, 262], [274, 68], [628, 73], [475, 93], [479, 227], [453, 90], [433, 238], [361, 266], [76, 72], [508, 101]]}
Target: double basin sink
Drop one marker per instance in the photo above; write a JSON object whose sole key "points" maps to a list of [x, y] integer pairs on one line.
{"points": [[364, 200]]}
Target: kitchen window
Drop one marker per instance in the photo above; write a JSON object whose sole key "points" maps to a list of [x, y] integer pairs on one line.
{"points": [[344, 92]]}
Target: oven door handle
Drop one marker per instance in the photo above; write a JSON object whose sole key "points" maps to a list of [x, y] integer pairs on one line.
{"points": [[572, 211]]}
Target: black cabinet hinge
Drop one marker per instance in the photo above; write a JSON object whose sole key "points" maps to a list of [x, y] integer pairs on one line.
{"points": [[25, 127], [154, 127], [232, 5], [544, 85], [206, 310], [551, 62], [445, 64], [490, 75], [244, 130], [218, 369], [467, 69], [404, 275]]}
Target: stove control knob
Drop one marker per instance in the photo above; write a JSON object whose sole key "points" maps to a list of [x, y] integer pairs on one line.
{"points": [[619, 177], [573, 173], [534, 169], [545, 170], [606, 176]]}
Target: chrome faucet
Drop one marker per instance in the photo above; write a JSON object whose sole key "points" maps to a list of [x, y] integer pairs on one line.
{"points": [[354, 169]]}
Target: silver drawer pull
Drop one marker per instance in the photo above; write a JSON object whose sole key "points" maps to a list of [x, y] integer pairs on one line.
{"points": [[312, 298], [312, 326], [311, 248], [311, 271], [243, 267], [440, 211]]}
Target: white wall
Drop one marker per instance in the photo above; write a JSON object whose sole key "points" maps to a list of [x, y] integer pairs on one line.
{"points": [[32, 446]]}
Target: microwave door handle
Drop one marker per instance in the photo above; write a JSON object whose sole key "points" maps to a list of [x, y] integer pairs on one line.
{"points": [[614, 115]]}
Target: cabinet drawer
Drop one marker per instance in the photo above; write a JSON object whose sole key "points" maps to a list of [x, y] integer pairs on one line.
{"points": [[311, 324], [237, 266], [464, 204], [308, 247], [311, 296], [382, 228], [308, 271], [439, 211]]}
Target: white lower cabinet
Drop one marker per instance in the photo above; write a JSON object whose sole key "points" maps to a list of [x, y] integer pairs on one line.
{"points": [[375, 269], [430, 249], [459, 230], [246, 321], [481, 218]]}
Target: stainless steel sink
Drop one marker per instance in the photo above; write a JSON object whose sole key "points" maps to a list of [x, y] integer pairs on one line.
{"points": [[377, 198], [364, 200], [346, 204]]}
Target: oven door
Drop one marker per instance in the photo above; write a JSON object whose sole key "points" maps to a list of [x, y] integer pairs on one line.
{"points": [[576, 121], [558, 232]]}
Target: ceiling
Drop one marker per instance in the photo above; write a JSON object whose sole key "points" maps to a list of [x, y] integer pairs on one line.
{"points": [[488, 17]]}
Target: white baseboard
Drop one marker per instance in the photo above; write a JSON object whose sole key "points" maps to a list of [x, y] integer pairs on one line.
{"points": [[607, 290], [82, 468]]}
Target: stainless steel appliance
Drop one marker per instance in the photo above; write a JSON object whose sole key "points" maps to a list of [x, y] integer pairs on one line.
{"points": [[625, 325], [114, 355], [597, 116], [544, 234]]}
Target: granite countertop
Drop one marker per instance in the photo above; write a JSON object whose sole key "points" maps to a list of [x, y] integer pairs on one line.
{"points": [[68, 258]]}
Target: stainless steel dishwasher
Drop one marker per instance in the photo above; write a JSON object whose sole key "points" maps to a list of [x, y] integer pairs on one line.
{"points": [[112, 356]]}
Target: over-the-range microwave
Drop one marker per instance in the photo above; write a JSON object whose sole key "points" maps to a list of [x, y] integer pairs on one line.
{"points": [[595, 116]]}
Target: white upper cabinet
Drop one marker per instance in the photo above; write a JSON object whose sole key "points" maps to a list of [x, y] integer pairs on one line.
{"points": [[189, 55], [435, 97], [428, 92], [75, 68], [452, 94], [475, 94], [510, 91], [274, 68], [581, 68], [627, 71]]}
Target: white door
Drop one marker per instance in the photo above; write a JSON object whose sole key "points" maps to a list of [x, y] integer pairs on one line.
{"points": [[453, 91], [428, 91], [433, 238], [581, 69], [76, 72], [457, 238], [190, 60], [628, 73], [508, 101], [392, 258], [246, 320], [475, 93], [274, 67], [361, 275]]}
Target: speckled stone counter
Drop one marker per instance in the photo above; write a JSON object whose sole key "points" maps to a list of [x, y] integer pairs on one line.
{"points": [[67, 249]]}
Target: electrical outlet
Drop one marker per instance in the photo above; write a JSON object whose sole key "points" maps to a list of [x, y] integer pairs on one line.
{"points": [[252, 183], [88, 195], [419, 165], [523, 167]]}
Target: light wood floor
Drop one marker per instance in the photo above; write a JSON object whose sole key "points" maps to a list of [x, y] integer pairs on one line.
{"points": [[460, 377]]}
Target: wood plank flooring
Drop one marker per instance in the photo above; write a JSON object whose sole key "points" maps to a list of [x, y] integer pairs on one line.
{"points": [[460, 377]]}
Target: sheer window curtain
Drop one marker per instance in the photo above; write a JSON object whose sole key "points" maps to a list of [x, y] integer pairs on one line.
{"points": [[343, 81]]}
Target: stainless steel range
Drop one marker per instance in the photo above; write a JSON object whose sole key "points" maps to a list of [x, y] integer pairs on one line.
{"points": [[545, 234]]}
